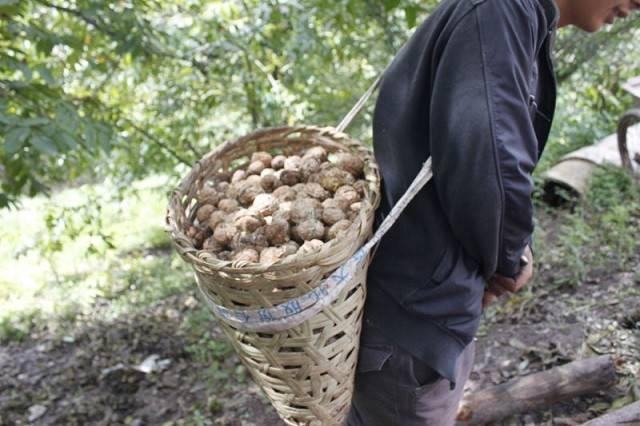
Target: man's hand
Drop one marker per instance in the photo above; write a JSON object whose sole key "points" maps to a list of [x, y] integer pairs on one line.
{"points": [[499, 285]]}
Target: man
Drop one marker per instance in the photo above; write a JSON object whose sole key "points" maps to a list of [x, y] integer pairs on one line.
{"points": [[475, 90]]}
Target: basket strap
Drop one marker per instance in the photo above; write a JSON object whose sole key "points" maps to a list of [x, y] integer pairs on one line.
{"points": [[295, 311]]}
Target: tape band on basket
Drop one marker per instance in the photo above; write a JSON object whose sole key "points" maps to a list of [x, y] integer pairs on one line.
{"points": [[295, 311]]}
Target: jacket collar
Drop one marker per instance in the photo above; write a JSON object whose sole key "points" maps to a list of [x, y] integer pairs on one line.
{"points": [[551, 12]]}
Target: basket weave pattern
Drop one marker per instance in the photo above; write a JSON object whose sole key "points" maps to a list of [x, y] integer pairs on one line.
{"points": [[306, 371]]}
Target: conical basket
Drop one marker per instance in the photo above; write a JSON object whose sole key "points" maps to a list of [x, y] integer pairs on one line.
{"points": [[296, 331]]}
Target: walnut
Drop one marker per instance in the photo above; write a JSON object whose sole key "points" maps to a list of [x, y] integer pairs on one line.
{"points": [[349, 162], [264, 157], [248, 193], [283, 212], [290, 248], [348, 194], [331, 178], [255, 168], [290, 176], [311, 229], [208, 195], [315, 190], [228, 205], [248, 222], [255, 240], [253, 180], [265, 204], [285, 193], [267, 171], [293, 163], [332, 211], [248, 254], [309, 166], [317, 152], [204, 212], [304, 209], [337, 228], [210, 244], [270, 182], [216, 218], [278, 162], [277, 232], [222, 187], [362, 186], [238, 175], [224, 233]]}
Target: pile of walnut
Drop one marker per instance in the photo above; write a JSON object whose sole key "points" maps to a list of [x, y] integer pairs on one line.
{"points": [[279, 206]]}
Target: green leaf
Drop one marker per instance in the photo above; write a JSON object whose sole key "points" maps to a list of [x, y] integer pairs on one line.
{"points": [[44, 144], [15, 138], [46, 75], [89, 136], [34, 121], [65, 139], [391, 4], [410, 14]]}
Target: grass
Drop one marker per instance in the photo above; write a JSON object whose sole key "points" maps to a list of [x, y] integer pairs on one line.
{"points": [[62, 257], [598, 234]]}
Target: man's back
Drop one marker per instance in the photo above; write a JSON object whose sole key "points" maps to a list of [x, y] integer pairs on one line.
{"points": [[474, 90]]}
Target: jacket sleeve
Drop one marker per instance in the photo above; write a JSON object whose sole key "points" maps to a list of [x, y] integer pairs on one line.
{"points": [[483, 143]]}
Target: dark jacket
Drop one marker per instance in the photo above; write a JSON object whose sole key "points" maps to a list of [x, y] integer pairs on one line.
{"points": [[474, 88]]}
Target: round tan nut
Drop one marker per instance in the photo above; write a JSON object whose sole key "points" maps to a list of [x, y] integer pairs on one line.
{"points": [[277, 232], [270, 182], [216, 218], [309, 166], [265, 204], [315, 190], [255, 168], [224, 233], [290, 248], [222, 187], [204, 212], [208, 195], [248, 223], [253, 180], [290, 176], [347, 193], [332, 212], [271, 255], [332, 178], [248, 193], [349, 162], [264, 157], [228, 205], [293, 163], [238, 175], [317, 152], [311, 229], [284, 193], [278, 162], [210, 244], [304, 209]]}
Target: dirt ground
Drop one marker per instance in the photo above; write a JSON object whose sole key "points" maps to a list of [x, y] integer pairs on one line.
{"points": [[139, 370]]}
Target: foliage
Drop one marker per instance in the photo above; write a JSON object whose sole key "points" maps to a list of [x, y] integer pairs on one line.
{"points": [[92, 88], [598, 236]]}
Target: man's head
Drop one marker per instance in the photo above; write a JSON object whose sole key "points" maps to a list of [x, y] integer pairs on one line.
{"points": [[591, 15]]}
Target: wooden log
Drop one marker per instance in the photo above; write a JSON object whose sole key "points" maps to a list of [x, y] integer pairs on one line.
{"points": [[539, 390], [627, 415]]}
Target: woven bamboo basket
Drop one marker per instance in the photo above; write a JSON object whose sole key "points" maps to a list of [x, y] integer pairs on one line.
{"points": [[302, 346]]}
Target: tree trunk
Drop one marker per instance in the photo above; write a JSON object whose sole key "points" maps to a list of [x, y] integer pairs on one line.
{"points": [[536, 391]]}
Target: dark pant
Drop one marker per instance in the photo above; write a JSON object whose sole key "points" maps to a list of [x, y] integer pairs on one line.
{"points": [[393, 388]]}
